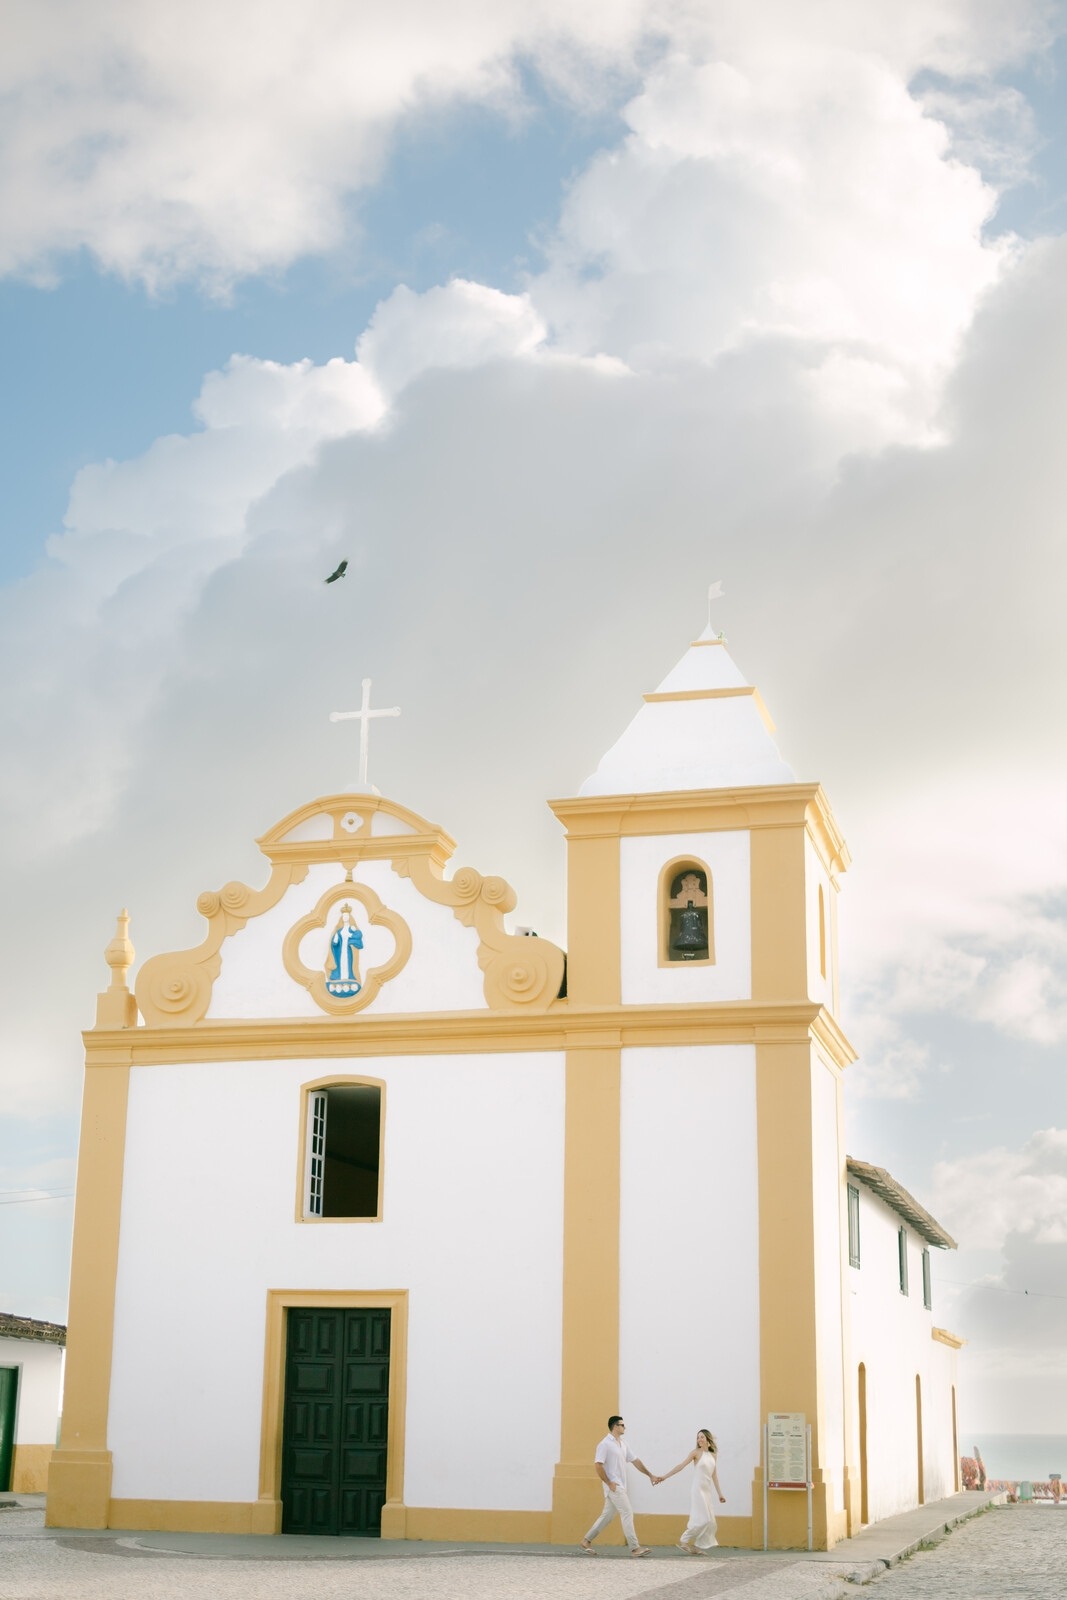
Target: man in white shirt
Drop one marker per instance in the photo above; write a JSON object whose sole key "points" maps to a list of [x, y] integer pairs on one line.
{"points": [[612, 1455]]}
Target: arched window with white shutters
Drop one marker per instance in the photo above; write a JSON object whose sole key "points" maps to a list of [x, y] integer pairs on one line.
{"points": [[344, 1128]]}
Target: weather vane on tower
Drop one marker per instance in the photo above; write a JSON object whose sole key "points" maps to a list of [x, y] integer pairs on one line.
{"points": [[714, 593]]}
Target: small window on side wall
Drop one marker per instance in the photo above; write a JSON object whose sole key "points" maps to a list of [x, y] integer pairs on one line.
{"points": [[342, 1166], [928, 1289], [853, 1226], [686, 914], [902, 1259]]}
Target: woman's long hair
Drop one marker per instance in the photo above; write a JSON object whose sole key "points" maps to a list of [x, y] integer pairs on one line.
{"points": [[710, 1437]]}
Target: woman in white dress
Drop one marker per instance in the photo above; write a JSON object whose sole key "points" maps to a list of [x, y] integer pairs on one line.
{"points": [[700, 1533]]}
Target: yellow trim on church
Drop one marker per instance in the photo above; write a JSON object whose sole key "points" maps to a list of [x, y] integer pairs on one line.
{"points": [[79, 1474], [175, 989], [733, 692], [794, 1038]]}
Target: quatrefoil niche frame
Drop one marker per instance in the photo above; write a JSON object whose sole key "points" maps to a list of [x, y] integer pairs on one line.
{"points": [[378, 916]]}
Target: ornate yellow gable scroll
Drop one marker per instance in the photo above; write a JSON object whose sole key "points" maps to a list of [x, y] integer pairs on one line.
{"points": [[521, 973]]}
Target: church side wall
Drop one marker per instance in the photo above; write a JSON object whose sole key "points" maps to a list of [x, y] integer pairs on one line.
{"points": [[472, 1227], [689, 1266], [892, 1337], [729, 977]]}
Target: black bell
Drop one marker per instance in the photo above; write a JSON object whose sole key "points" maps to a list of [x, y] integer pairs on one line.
{"points": [[690, 939]]}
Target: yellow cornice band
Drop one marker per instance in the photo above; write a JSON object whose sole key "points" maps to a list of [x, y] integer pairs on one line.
{"points": [[784, 805], [473, 1032], [717, 694], [943, 1336]]}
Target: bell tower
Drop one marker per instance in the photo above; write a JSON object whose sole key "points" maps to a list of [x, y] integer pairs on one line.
{"points": [[702, 977]]}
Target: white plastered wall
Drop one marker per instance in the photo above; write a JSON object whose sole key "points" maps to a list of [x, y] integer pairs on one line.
{"points": [[729, 976], [892, 1337], [473, 1228], [39, 1385], [689, 1266], [442, 973]]}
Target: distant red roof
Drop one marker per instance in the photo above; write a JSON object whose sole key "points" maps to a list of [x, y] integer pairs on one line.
{"points": [[26, 1328]]}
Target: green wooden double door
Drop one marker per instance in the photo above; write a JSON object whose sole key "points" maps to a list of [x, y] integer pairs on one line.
{"points": [[336, 1423], [9, 1388]]}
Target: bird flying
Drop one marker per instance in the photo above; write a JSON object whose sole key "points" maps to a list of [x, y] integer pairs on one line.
{"points": [[338, 572]]}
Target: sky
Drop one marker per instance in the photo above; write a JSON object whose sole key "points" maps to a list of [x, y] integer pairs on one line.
{"points": [[545, 317]]}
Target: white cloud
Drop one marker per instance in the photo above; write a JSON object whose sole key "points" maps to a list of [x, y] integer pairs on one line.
{"points": [[457, 325], [801, 195], [971, 918], [986, 1198], [891, 1070], [210, 142]]}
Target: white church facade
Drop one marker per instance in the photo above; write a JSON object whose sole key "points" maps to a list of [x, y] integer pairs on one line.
{"points": [[383, 1208]]}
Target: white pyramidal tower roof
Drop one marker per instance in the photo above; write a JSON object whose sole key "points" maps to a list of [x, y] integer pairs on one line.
{"points": [[703, 728]]}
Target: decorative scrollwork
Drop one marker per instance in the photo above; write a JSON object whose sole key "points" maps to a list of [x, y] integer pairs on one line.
{"points": [[466, 885], [178, 991], [519, 971], [176, 988]]}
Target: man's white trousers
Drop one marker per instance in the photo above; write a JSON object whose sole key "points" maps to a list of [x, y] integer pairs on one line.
{"points": [[616, 1503]]}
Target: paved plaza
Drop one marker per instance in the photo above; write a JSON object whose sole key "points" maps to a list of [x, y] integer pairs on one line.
{"points": [[1011, 1551]]}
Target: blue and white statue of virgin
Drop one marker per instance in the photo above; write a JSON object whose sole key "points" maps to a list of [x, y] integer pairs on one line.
{"points": [[342, 963]]}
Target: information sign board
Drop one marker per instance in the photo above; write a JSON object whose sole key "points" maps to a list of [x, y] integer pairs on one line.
{"points": [[787, 1453]]}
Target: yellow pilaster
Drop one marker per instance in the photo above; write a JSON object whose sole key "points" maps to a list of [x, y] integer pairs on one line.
{"points": [[79, 1475], [788, 1364], [594, 945], [779, 925], [590, 1378]]}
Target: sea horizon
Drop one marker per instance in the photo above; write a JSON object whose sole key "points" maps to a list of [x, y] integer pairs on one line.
{"points": [[1020, 1456]]}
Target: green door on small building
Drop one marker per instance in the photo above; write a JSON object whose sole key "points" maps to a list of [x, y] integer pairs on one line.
{"points": [[336, 1423], [9, 1388]]}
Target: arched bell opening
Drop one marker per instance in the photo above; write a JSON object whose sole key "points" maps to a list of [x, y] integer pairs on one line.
{"points": [[686, 913]]}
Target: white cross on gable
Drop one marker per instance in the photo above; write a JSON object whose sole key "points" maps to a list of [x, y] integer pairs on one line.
{"points": [[363, 716]]}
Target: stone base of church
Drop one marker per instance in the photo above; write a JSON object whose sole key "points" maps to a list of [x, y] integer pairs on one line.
{"points": [[448, 1523], [79, 1489], [577, 1499], [787, 1511], [29, 1468]]}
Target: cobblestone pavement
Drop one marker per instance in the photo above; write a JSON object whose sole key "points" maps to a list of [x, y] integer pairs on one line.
{"points": [[1010, 1553], [40, 1564]]}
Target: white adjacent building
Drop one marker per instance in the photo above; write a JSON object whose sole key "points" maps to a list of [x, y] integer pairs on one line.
{"points": [[371, 1186], [31, 1382]]}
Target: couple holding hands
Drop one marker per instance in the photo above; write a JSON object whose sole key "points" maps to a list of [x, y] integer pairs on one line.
{"points": [[612, 1456]]}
